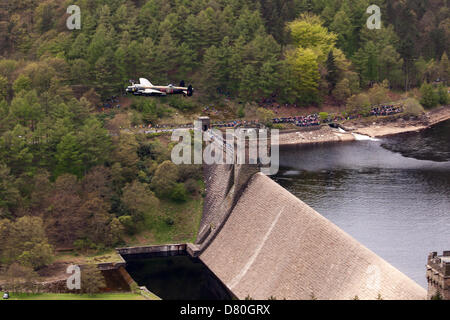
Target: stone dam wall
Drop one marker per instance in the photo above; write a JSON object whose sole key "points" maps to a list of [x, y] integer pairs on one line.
{"points": [[154, 251], [224, 184], [264, 242]]}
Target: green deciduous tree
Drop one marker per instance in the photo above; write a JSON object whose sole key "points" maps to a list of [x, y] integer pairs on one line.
{"points": [[92, 280], [359, 104], [25, 241], [20, 278], [139, 199], [3, 87], [44, 16], [22, 83], [304, 75], [9, 192], [308, 32], [342, 91], [165, 179]]}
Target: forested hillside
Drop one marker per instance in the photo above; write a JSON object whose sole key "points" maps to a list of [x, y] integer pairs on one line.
{"points": [[238, 48], [65, 181]]}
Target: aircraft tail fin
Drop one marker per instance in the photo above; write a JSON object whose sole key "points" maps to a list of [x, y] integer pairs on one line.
{"points": [[190, 91], [145, 82]]}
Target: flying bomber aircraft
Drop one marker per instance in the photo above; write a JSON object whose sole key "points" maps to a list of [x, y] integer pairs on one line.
{"points": [[146, 88]]}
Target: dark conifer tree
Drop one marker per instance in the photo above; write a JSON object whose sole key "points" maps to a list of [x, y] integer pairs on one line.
{"points": [[332, 75]]}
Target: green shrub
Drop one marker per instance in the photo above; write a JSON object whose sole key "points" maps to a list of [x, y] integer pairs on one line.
{"points": [[164, 179], [265, 116], [241, 112], [150, 109], [190, 171], [22, 83], [342, 91], [378, 95], [443, 95], [134, 287], [192, 186], [84, 244], [178, 193], [278, 126], [412, 107], [430, 98], [135, 118], [181, 103], [437, 296], [323, 116], [153, 149], [169, 221], [24, 241], [128, 224], [359, 104]]}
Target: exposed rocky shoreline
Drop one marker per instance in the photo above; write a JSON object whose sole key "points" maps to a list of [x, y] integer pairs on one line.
{"points": [[381, 127]]}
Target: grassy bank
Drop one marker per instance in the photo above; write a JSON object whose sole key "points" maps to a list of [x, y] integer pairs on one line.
{"points": [[173, 223], [71, 296]]}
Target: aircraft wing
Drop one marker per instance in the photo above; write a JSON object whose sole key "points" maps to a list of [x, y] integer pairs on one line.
{"points": [[145, 82], [153, 91]]}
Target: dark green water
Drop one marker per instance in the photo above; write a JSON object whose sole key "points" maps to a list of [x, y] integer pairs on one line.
{"points": [[177, 278], [391, 195]]}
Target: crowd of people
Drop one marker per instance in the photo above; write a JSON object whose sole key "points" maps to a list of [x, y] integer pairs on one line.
{"points": [[300, 121], [162, 126], [111, 103], [385, 110], [234, 123]]}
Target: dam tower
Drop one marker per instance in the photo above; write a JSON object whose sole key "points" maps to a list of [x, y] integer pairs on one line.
{"points": [[438, 275]]}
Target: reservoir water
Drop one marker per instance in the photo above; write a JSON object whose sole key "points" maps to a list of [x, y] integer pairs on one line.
{"points": [[391, 195]]}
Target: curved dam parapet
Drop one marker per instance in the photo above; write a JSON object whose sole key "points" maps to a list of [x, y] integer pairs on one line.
{"points": [[271, 244]]}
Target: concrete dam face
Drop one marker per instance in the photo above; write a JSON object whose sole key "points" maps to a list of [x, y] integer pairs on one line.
{"points": [[261, 242]]}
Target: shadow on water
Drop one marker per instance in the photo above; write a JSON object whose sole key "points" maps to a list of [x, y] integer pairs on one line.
{"points": [[431, 144], [179, 277], [391, 195]]}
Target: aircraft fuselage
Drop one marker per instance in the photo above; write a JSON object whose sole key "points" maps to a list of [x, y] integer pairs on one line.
{"points": [[167, 89], [146, 88]]}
